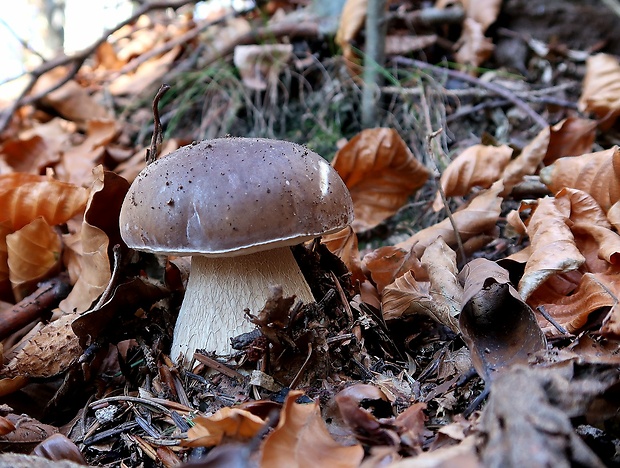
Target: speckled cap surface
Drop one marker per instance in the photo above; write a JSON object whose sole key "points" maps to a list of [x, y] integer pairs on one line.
{"points": [[233, 196]]}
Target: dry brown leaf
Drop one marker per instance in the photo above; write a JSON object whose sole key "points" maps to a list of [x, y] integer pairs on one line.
{"points": [[570, 137], [553, 246], [607, 240], [33, 254], [6, 293], [527, 162], [601, 88], [480, 216], [473, 46], [595, 173], [403, 45], [233, 423], [344, 244], [582, 207], [380, 172], [25, 197], [28, 154], [352, 20], [50, 352], [572, 310], [483, 11], [406, 296], [477, 166], [611, 323], [498, 327], [100, 232], [613, 215], [388, 263], [71, 101], [301, 440]]}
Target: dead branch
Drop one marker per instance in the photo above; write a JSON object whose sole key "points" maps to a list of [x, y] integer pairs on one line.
{"points": [[76, 60]]}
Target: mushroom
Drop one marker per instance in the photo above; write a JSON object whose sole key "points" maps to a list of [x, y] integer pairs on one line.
{"points": [[236, 205]]}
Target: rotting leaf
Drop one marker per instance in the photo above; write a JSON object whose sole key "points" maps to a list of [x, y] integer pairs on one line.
{"points": [[33, 253], [25, 197], [301, 440], [99, 233], [553, 246], [595, 173], [388, 263], [229, 423], [498, 327], [406, 296], [570, 137], [476, 166], [28, 433], [380, 172]]}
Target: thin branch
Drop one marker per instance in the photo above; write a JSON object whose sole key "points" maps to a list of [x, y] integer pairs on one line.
{"points": [[499, 90], [153, 152]]}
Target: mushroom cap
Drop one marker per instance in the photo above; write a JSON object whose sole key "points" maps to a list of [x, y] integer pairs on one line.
{"points": [[233, 196]]}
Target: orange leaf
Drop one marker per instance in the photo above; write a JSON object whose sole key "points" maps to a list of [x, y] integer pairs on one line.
{"points": [[25, 197], [570, 137], [389, 263], [33, 252], [581, 206], [29, 154], [344, 244], [352, 21], [527, 162], [406, 296], [477, 166], [480, 216], [553, 247], [595, 173], [301, 440], [380, 172], [473, 46], [601, 87], [227, 422], [5, 284]]}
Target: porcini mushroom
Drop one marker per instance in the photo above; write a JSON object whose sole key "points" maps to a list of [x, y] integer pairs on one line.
{"points": [[236, 205]]}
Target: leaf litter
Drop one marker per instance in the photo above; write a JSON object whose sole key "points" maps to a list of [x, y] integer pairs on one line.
{"points": [[483, 336]]}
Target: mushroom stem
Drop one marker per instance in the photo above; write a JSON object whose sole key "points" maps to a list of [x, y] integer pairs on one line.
{"points": [[218, 291]]}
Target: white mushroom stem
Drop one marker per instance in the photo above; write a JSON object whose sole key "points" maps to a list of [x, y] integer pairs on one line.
{"points": [[218, 291]]}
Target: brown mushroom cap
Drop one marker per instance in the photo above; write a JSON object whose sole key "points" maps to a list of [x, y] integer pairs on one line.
{"points": [[233, 196]]}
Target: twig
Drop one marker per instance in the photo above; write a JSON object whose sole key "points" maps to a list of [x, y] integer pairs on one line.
{"points": [[218, 366], [551, 320], [76, 60], [47, 296], [152, 153], [457, 75]]}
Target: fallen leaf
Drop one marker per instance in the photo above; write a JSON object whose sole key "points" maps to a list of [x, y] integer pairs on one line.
{"points": [[601, 88], [553, 247], [352, 20], [33, 254], [301, 440], [388, 263], [344, 244], [595, 173], [476, 166], [406, 296], [570, 137], [527, 162], [30, 155], [25, 197], [498, 327], [473, 47], [479, 217], [261, 64], [232, 423], [380, 172]]}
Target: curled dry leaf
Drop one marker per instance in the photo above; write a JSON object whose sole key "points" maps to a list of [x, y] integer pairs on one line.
{"points": [[479, 217], [583, 208], [50, 352], [498, 327], [25, 197], [389, 263], [6, 292], [613, 215], [380, 172], [473, 46], [527, 162], [570, 137], [601, 87], [595, 173], [33, 254], [553, 246], [477, 166], [99, 233], [30, 154], [227, 422], [301, 440], [344, 244], [27, 434], [406, 296], [352, 20]]}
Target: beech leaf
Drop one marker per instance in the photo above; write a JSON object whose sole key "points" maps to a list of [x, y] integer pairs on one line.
{"points": [[380, 172]]}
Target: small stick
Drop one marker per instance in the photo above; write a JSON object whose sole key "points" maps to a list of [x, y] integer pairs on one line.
{"points": [[153, 152], [33, 307], [218, 366], [551, 320]]}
